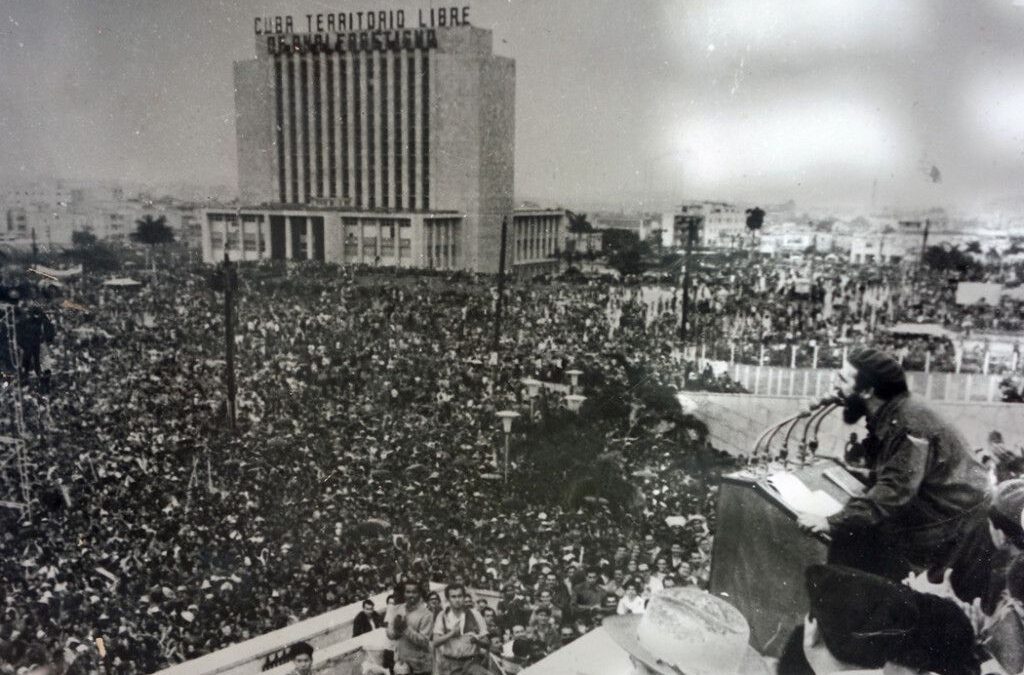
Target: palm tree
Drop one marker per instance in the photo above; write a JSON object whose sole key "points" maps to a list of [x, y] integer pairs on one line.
{"points": [[152, 231]]}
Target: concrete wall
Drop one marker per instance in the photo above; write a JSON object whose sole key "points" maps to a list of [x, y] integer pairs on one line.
{"points": [[737, 420]]}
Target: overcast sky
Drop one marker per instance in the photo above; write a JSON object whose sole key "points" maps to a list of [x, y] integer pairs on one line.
{"points": [[634, 103]]}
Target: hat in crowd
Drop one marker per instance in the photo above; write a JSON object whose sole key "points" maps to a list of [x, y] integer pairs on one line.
{"points": [[690, 631], [864, 619], [877, 368], [867, 620], [942, 641]]}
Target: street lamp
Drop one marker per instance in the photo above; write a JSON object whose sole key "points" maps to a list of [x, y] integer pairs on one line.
{"points": [[532, 390], [574, 377], [507, 416], [574, 401]]}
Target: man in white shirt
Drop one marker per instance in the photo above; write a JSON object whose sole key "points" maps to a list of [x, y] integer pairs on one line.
{"points": [[460, 631]]}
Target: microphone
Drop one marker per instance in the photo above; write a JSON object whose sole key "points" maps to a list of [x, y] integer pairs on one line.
{"points": [[825, 401]]}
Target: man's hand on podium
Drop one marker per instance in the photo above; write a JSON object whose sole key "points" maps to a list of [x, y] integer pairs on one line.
{"points": [[812, 523]]}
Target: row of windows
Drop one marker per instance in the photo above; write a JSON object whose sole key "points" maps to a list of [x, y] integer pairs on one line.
{"points": [[302, 149]]}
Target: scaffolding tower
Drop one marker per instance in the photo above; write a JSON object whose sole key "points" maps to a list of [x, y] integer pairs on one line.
{"points": [[12, 441]]}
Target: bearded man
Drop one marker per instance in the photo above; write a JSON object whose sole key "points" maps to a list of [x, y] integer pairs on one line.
{"points": [[927, 498]]}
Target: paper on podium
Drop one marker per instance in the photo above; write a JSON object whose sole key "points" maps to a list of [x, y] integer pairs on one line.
{"points": [[799, 497]]}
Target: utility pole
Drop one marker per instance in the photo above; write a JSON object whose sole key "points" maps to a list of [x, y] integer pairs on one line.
{"points": [[691, 234], [501, 285], [229, 336], [924, 241]]}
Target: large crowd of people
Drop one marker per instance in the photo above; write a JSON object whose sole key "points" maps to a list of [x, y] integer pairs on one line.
{"points": [[367, 450], [366, 431]]}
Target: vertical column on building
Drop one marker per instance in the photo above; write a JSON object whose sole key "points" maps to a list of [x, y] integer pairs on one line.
{"points": [[289, 253], [309, 238], [287, 96], [395, 129], [364, 183], [206, 241], [387, 130], [310, 144], [241, 237], [349, 138], [322, 122], [415, 130], [263, 238], [402, 129], [339, 153], [300, 142]]}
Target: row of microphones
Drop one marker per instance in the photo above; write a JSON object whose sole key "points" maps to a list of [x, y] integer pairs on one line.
{"points": [[814, 415]]}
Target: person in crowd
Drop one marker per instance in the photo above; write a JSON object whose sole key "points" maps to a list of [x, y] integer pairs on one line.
{"points": [[927, 505], [860, 621], [545, 629], [366, 620], [544, 602], [588, 594], [302, 658], [412, 628], [460, 634], [631, 602], [513, 609]]}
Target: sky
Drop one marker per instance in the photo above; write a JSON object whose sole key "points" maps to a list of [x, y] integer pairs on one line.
{"points": [[636, 104]]}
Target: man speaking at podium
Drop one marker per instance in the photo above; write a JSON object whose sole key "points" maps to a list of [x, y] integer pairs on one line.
{"points": [[927, 500]]}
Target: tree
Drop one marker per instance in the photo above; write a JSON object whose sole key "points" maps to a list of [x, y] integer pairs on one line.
{"points": [[755, 219], [83, 239], [152, 232], [944, 259], [578, 223]]}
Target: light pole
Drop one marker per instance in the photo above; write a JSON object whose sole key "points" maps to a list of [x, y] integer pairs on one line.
{"points": [[507, 416], [574, 378], [574, 402], [532, 390]]}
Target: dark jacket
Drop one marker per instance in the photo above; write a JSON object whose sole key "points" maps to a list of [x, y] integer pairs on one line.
{"points": [[927, 486], [364, 623]]}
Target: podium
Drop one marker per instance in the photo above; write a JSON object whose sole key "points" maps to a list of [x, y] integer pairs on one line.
{"points": [[760, 553]]}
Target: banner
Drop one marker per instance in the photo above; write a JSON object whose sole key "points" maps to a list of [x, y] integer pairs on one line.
{"points": [[973, 292]]}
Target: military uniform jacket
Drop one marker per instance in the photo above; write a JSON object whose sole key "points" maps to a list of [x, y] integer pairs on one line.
{"points": [[926, 486]]}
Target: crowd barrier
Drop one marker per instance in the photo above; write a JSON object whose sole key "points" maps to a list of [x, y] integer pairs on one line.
{"points": [[817, 382], [330, 634]]}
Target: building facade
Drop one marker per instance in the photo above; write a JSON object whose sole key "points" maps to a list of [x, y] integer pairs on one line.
{"points": [[537, 241], [428, 241], [408, 125], [720, 224]]}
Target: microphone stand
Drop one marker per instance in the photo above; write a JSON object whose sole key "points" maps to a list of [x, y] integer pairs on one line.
{"points": [[807, 427], [813, 445]]}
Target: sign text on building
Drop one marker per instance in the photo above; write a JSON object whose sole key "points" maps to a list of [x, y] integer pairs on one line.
{"points": [[349, 22]]}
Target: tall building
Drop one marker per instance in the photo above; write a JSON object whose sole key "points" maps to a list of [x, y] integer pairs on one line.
{"points": [[349, 141]]}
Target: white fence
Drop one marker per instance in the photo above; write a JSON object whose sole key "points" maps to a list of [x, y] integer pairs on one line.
{"points": [[817, 382]]}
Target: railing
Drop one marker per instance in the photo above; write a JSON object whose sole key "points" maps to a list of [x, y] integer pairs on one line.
{"points": [[817, 382]]}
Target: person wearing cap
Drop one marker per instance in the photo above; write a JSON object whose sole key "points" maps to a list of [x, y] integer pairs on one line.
{"points": [[861, 621], [302, 657], [687, 630], [927, 503]]}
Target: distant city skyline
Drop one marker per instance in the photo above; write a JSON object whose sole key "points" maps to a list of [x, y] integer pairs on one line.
{"points": [[832, 103]]}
